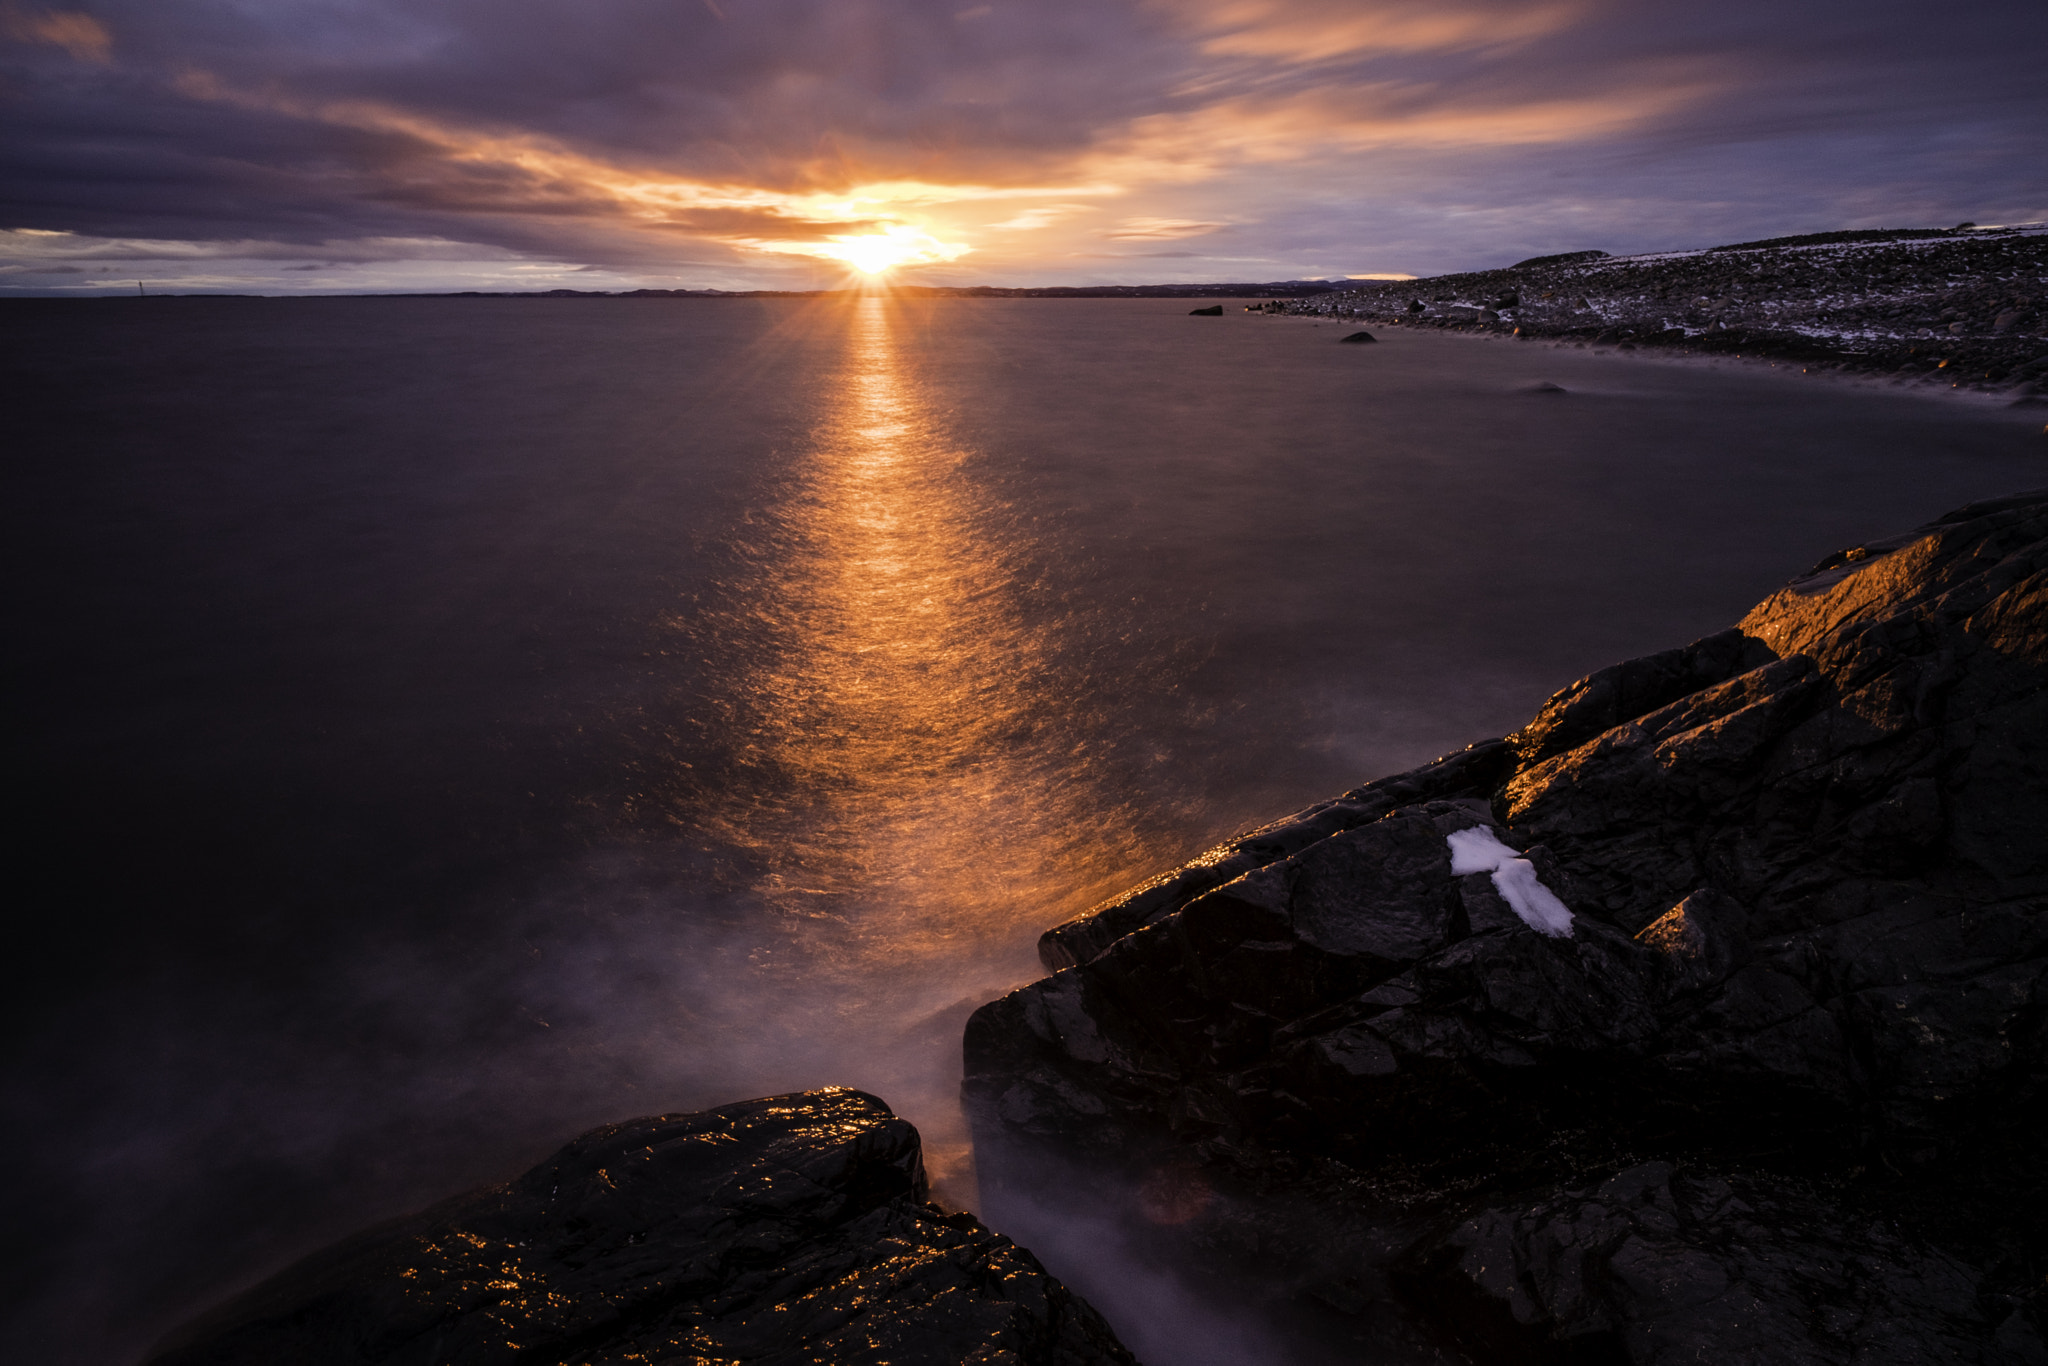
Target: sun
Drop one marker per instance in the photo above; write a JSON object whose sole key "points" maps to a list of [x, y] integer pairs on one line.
{"points": [[873, 255], [876, 253]]}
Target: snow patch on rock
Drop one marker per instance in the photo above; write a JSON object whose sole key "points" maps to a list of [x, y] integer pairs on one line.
{"points": [[1478, 851]]}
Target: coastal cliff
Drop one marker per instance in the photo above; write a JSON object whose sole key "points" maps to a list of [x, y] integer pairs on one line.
{"points": [[1707, 1013]]}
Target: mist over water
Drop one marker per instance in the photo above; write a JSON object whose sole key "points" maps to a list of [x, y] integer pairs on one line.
{"points": [[450, 724]]}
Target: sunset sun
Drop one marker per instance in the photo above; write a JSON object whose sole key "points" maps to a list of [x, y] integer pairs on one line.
{"points": [[876, 253]]}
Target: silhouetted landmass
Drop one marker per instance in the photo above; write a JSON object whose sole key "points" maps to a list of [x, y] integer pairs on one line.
{"points": [[1287, 289], [1823, 239], [1562, 258], [1270, 289]]}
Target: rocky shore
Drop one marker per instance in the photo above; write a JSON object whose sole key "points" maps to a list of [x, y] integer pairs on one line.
{"points": [[780, 1231], [1963, 307], [1703, 1018]]}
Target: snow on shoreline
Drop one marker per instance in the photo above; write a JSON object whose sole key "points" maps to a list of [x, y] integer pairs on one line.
{"points": [[1969, 308]]}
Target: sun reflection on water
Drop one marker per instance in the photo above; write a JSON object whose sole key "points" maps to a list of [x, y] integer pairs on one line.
{"points": [[917, 772], [910, 767]]}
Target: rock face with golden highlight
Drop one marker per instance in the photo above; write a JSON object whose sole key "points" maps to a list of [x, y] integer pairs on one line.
{"points": [[787, 1230], [1770, 910]]}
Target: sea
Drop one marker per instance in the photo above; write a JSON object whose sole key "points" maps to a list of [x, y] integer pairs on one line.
{"points": [[443, 725]]}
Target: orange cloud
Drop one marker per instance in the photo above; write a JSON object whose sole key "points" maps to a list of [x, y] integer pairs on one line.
{"points": [[1320, 30], [477, 170], [1199, 143], [81, 35], [1161, 229], [436, 164]]}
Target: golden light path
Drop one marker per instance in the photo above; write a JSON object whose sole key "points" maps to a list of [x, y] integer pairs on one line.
{"points": [[917, 783]]}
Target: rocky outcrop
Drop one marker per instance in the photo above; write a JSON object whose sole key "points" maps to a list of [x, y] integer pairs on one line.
{"points": [[787, 1230], [1770, 908], [1958, 307]]}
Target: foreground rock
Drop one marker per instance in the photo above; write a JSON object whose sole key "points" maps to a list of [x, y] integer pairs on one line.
{"points": [[791, 1230], [1711, 1007]]}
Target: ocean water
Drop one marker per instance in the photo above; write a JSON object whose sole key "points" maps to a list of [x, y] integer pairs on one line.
{"points": [[444, 725]]}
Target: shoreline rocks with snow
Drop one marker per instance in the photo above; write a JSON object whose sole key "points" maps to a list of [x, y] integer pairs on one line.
{"points": [[788, 1230], [1715, 995], [1964, 307]]}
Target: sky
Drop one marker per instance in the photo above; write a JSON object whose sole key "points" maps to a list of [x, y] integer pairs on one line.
{"points": [[320, 146]]}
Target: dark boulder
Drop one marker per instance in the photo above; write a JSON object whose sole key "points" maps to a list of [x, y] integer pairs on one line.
{"points": [[1654, 1267], [789, 1230], [1212, 311], [1773, 903], [1359, 338]]}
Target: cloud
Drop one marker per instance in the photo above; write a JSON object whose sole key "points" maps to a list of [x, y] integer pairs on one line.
{"points": [[1321, 30], [81, 35], [1044, 216], [634, 135], [1162, 228]]}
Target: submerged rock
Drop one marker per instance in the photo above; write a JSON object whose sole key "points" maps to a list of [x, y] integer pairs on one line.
{"points": [[1768, 908], [787, 1230]]}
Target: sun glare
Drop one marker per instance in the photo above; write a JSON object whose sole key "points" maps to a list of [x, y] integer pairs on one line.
{"points": [[875, 253]]}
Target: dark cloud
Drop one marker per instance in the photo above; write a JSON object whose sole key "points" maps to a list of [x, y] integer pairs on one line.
{"points": [[1352, 134]]}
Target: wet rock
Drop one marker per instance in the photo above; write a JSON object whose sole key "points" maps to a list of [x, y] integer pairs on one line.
{"points": [[1803, 883], [1470, 772], [1654, 1267], [787, 1230], [1213, 311], [1359, 338]]}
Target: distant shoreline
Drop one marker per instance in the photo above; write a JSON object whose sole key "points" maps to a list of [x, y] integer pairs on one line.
{"points": [[1275, 289], [1966, 305]]}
